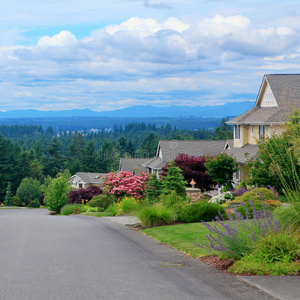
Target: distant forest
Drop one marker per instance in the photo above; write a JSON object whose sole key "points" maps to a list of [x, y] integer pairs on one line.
{"points": [[32, 151]]}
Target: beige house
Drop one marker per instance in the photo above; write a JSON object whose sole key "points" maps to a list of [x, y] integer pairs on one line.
{"points": [[277, 96]]}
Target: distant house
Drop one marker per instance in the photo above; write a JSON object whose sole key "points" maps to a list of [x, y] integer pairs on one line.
{"points": [[169, 150], [133, 165], [277, 96], [84, 180]]}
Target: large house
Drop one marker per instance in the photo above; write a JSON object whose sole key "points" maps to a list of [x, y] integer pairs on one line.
{"points": [[169, 150], [83, 180], [277, 96]]}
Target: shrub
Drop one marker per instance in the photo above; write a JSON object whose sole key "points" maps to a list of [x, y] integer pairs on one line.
{"points": [[113, 209], [69, 209], [201, 211], [272, 255], [289, 215], [94, 209], [258, 194], [57, 194], [103, 201], [29, 189], [222, 198], [128, 205], [235, 238], [174, 201], [34, 204], [16, 201], [156, 215], [249, 208], [76, 196]]}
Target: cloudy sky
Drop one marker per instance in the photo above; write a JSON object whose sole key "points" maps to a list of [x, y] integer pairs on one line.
{"points": [[103, 55]]}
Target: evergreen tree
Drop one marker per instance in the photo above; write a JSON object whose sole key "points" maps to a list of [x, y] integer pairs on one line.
{"points": [[55, 160], [173, 181], [155, 188], [8, 200]]}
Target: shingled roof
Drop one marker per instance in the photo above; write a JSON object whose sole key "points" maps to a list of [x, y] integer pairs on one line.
{"points": [[169, 150], [286, 91], [90, 178], [133, 165]]}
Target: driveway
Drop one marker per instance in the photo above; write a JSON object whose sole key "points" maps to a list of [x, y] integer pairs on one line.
{"points": [[79, 257]]}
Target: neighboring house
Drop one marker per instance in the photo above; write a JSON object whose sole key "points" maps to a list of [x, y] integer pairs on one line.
{"points": [[133, 165], [169, 150], [277, 96], [84, 180]]}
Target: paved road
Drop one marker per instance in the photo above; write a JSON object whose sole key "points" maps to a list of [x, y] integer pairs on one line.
{"points": [[79, 257]]}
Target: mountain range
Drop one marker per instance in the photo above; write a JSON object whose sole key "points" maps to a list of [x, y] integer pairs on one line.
{"points": [[140, 111]]}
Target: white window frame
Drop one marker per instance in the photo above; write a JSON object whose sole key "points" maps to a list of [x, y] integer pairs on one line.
{"points": [[252, 130], [261, 128], [238, 174], [269, 97], [237, 129]]}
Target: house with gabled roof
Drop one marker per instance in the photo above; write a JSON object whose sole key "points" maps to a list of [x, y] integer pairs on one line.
{"points": [[277, 96], [169, 150], [85, 179], [133, 165]]}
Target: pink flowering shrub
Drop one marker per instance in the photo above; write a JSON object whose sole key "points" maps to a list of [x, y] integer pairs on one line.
{"points": [[126, 184]]}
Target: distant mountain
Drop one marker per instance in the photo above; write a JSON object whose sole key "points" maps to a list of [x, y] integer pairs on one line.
{"points": [[140, 111]]}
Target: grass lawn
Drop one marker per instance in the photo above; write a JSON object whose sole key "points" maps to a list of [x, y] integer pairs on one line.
{"points": [[97, 214], [181, 237], [9, 207]]}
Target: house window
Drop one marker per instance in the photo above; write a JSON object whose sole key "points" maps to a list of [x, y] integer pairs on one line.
{"points": [[237, 132], [261, 130], [252, 130], [238, 175], [269, 97], [80, 185]]}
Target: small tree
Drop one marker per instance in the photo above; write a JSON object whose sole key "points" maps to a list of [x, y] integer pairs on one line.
{"points": [[57, 194], [76, 196], [28, 190], [173, 181], [8, 200], [155, 188], [221, 168]]}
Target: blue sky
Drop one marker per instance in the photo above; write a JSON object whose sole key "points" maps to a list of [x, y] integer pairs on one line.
{"points": [[106, 55]]}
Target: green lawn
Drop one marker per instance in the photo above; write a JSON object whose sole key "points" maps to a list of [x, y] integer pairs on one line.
{"points": [[97, 214], [181, 237], [9, 207]]}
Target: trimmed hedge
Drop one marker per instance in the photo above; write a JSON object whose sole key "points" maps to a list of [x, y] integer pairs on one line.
{"points": [[103, 201]]}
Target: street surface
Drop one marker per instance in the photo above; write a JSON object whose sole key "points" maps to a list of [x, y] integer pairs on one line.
{"points": [[80, 258]]}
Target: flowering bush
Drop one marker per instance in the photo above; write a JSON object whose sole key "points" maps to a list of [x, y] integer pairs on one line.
{"points": [[235, 238], [126, 184], [222, 198]]}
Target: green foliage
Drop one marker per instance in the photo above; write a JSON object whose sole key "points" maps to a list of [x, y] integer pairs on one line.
{"points": [[155, 188], [70, 209], [8, 200], [221, 168], [223, 131], [173, 181], [16, 201], [272, 255], [103, 201], [29, 189], [34, 204], [113, 209], [156, 215], [57, 194], [201, 211], [289, 215], [174, 201], [128, 204], [248, 208], [257, 194]]}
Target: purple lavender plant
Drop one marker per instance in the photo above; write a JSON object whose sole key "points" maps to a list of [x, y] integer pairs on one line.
{"points": [[236, 237], [272, 188]]}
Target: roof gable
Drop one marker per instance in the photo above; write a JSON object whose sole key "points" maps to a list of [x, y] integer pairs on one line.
{"points": [[266, 97]]}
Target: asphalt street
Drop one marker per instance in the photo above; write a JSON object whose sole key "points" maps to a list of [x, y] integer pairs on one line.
{"points": [[79, 257]]}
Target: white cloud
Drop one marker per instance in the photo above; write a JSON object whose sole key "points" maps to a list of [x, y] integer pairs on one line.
{"points": [[63, 39]]}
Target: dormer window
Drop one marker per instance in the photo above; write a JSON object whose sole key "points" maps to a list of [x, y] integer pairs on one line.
{"points": [[269, 97]]}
